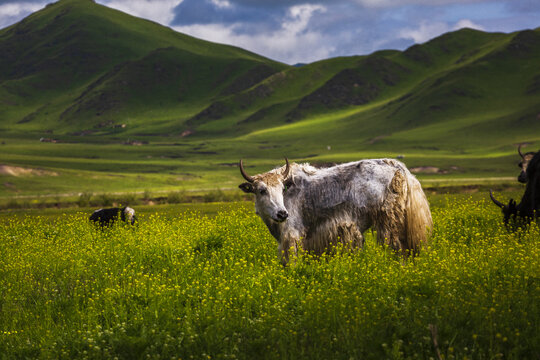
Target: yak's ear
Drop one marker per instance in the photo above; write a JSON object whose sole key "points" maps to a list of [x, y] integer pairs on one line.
{"points": [[246, 187]]}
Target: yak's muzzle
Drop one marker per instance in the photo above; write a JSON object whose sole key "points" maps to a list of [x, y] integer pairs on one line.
{"points": [[281, 216]]}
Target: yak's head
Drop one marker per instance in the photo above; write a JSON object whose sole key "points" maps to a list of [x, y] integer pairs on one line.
{"points": [[523, 164], [128, 215], [269, 189], [508, 210]]}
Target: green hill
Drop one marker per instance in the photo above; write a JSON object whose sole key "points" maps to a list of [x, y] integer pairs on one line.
{"points": [[90, 81], [77, 65], [461, 80]]}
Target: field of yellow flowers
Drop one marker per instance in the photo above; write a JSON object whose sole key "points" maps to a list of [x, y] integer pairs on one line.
{"points": [[190, 286]]}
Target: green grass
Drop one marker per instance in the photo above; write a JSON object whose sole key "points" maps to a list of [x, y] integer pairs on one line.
{"points": [[183, 285], [164, 166]]}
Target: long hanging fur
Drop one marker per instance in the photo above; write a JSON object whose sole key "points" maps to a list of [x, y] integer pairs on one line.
{"points": [[418, 215], [404, 221]]}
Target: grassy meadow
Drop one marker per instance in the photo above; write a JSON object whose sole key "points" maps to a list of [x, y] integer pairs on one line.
{"points": [[205, 283], [145, 115], [166, 165]]}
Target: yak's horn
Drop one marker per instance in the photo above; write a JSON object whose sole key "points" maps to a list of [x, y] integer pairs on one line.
{"points": [[497, 202], [287, 169], [243, 172], [519, 151]]}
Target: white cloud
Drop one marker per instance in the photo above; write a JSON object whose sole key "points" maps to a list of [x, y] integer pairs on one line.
{"points": [[398, 3], [466, 23], [160, 11], [299, 17], [427, 30], [12, 12], [222, 4], [293, 42]]}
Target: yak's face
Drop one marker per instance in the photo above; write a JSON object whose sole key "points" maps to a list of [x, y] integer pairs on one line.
{"points": [[268, 189], [524, 163], [129, 214], [509, 211], [269, 203]]}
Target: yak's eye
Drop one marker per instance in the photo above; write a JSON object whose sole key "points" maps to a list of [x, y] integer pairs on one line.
{"points": [[263, 191], [287, 185], [520, 165]]}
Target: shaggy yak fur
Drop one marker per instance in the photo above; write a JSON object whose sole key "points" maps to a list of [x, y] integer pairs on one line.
{"points": [[309, 208], [108, 216], [529, 207]]}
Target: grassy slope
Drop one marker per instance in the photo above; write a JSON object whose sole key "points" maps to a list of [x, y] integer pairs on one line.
{"points": [[439, 91], [459, 102], [82, 64]]}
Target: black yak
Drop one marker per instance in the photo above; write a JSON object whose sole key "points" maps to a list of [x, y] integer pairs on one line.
{"points": [[108, 216], [529, 207]]}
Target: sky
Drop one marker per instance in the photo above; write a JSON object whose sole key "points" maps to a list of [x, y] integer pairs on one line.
{"points": [[303, 31]]}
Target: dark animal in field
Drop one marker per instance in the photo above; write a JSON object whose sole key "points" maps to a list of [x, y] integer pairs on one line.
{"points": [[529, 207], [108, 216], [524, 163], [314, 208]]}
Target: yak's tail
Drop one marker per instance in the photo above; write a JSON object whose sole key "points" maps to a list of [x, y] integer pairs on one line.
{"points": [[417, 216]]}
